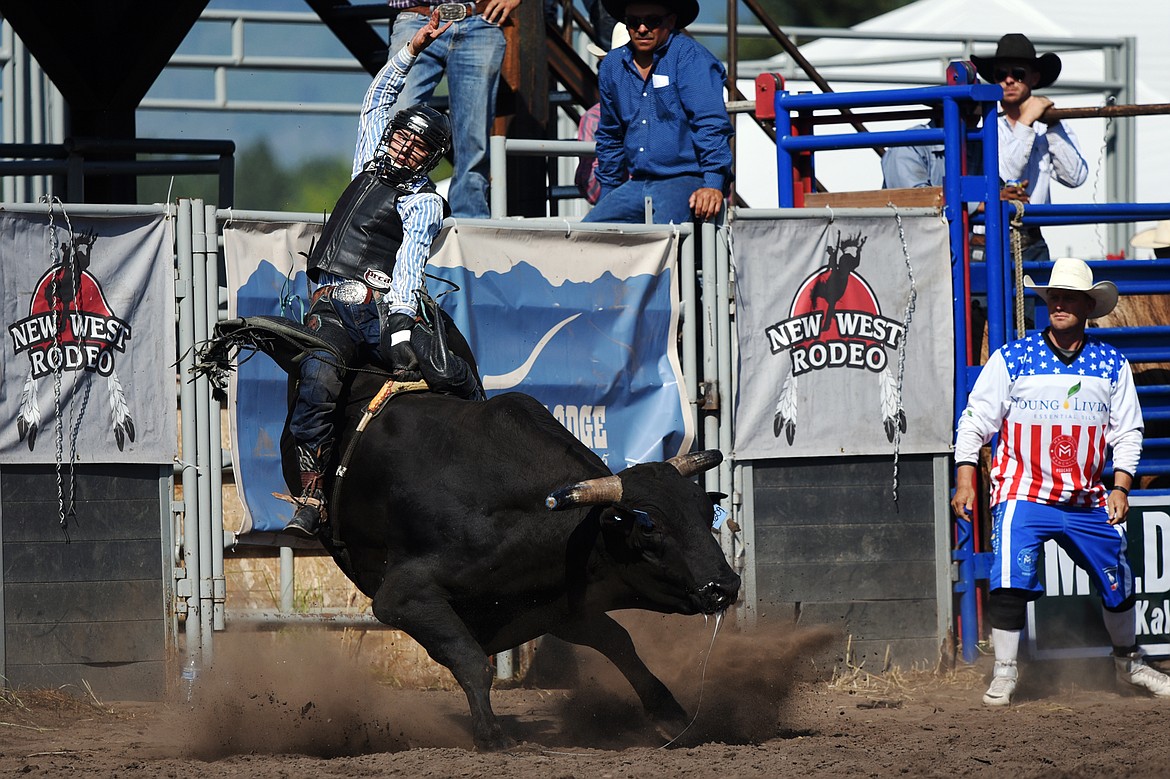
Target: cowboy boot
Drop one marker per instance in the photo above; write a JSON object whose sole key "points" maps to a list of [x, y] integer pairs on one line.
{"points": [[311, 504]]}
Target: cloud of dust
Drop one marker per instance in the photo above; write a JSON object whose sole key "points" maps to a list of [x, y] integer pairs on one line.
{"points": [[300, 692], [736, 695]]}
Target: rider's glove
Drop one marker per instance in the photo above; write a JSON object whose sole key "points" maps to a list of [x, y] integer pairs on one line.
{"points": [[395, 349]]}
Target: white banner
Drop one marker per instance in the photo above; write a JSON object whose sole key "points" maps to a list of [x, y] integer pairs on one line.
{"points": [[845, 338], [89, 313]]}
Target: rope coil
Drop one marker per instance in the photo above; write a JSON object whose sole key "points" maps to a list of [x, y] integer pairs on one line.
{"points": [[1017, 239]]}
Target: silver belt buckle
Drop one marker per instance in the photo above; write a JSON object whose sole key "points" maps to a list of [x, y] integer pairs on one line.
{"points": [[452, 12], [349, 292]]}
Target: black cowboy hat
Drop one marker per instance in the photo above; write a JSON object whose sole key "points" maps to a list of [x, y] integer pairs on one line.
{"points": [[686, 11], [1016, 46]]}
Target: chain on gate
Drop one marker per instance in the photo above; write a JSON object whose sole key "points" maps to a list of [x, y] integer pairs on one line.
{"points": [[907, 318], [1109, 121], [65, 508]]}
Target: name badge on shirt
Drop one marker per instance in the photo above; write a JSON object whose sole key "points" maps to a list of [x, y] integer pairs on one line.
{"points": [[659, 80]]}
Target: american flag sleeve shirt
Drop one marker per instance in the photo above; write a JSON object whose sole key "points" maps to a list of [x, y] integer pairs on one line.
{"points": [[1055, 421]]}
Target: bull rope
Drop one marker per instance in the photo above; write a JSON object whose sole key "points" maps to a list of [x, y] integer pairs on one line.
{"points": [[702, 681], [373, 408]]}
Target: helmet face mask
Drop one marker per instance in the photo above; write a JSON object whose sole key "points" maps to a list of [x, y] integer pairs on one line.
{"points": [[413, 144]]}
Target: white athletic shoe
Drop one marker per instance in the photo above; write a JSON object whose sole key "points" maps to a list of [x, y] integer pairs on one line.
{"points": [[1132, 672], [1003, 684]]}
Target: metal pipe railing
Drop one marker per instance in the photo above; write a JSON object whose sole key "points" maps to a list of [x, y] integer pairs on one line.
{"points": [[186, 308], [202, 432], [214, 441]]}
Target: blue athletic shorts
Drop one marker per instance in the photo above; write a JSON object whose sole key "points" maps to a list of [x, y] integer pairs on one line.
{"points": [[1020, 528]]}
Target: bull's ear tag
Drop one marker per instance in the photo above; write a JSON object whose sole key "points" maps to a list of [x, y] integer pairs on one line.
{"points": [[720, 515]]}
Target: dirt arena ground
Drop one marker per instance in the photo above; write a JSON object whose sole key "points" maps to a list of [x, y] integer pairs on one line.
{"points": [[768, 704]]}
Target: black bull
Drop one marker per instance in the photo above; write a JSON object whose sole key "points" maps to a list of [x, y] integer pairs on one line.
{"points": [[444, 522]]}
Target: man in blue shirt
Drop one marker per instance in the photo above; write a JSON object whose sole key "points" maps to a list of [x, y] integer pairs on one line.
{"points": [[664, 131], [909, 167]]}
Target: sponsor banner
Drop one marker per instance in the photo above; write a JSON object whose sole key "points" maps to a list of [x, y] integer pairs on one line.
{"points": [[1066, 622], [845, 342], [265, 276], [89, 352], [586, 324]]}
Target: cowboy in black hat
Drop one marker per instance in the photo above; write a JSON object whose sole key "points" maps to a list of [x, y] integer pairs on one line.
{"points": [[1024, 139], [664, 133], [683, 11]]}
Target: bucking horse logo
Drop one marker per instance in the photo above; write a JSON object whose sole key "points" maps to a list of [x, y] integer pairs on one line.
{"points": [[70, 327]]}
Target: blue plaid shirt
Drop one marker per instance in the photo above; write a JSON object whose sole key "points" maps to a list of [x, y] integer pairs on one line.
{"points": [[672, 123], [421, 212]]}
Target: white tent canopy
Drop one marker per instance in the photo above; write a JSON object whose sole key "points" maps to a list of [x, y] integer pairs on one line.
{"points": [[918, 40]]}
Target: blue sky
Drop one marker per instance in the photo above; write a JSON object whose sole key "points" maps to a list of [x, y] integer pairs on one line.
{"points": [[292, 137]]}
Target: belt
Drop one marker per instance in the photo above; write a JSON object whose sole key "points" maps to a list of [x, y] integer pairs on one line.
{"points": [[472, 8], [351, 292]]}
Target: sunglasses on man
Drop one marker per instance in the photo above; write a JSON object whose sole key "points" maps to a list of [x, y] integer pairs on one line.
{"points": [[651, 22], [1018, 73]]}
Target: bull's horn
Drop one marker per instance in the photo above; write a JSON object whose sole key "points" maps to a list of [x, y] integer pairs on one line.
{"points": [[604, 489], [696, 462]]}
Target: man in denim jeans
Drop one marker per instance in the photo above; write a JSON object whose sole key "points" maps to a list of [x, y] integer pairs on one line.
{"points": [[470, 55]]}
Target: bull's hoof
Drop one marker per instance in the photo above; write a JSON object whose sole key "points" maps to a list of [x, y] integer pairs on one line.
{"points": [[669, 718], [495, 742], [670, 728]]}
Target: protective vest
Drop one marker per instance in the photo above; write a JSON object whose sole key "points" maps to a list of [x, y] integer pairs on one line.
{"points": [[362, 235]]}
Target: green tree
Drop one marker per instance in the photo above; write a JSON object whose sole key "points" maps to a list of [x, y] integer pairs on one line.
{"points": [[263, 184], [317, 183]]}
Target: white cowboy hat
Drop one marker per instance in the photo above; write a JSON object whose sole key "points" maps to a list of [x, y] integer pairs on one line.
{"points": [[1071, 273], [620, 37], [1157, 237]]}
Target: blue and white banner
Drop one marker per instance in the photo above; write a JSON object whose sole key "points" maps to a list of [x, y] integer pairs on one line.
{"points": [[88, 362], [585, 322], [265, 277]]}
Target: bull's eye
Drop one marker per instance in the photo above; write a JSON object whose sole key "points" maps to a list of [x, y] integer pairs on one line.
{"points": [[642, 519]]}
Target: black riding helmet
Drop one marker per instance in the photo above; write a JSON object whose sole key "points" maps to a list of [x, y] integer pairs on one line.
{"points": [[427, 125]]}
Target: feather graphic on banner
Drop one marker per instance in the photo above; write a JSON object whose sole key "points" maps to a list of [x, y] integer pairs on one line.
{"points": [[514, 377], [119, 412], [28, 419], [786, 410], [893, 416]]}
